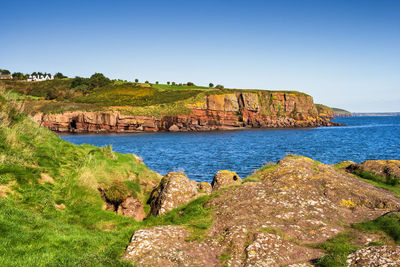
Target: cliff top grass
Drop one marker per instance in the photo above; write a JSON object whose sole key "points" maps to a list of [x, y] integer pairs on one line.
{"points": [[342, 112], [57, 96]]}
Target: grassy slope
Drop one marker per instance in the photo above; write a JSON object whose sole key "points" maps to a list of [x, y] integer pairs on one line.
{"points": [[342, 112], [33, 232]]}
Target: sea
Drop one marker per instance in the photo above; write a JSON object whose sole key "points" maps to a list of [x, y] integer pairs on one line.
{"points": [[201, 154]]}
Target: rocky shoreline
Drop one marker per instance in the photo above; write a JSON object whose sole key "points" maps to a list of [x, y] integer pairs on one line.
{"points": [[278, 216], [214, 112]]}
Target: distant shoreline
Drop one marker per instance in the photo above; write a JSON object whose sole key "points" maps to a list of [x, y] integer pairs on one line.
{"points": [[381, 114]]}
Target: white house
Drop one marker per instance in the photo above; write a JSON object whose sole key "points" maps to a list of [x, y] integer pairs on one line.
{"points": [[37, 78]]}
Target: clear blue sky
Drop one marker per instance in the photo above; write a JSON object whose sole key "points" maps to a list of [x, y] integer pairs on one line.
{"points": [[344, 53]]}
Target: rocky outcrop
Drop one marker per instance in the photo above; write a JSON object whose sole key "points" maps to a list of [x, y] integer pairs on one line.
{"points": [[166, 246], [225, 178], [384, 168], [375, 256], [175, 189], [215, 112], [269, 223]]}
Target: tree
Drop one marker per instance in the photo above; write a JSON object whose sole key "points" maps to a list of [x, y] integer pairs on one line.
{"points": [[173, 83], [5, 72], [18, 76], [146, 82], [190, 84], [98, 80], [211, 85], [59, 76], [219, 86], [136, 80], [168, 83], [156, 82], [78, 81]]}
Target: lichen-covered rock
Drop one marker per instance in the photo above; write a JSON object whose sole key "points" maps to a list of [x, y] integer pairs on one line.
{"points": [[375, 256], [272, 250], [175, 189], [225, 178], [298, 201], [384, 168], [166, 246], [132, 207], [204, 188]]}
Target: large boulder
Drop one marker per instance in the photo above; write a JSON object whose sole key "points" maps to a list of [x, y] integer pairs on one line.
{"points": [[175, 189], [167, 246], [225, 178]]}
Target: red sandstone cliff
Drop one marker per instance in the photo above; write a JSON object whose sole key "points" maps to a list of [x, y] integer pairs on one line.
{"points": [[215, 112]]}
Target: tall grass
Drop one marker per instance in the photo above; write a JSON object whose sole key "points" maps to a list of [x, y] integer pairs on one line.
{"points": [[61, 222]]}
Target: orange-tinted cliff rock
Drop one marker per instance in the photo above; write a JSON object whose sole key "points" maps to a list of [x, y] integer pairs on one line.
{"points": [[216, 112]]}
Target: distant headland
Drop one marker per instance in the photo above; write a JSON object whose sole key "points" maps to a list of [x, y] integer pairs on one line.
{"points": [[99, 104]]}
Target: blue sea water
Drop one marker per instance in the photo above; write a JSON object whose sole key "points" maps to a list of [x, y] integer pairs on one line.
{"points": [[201, 154]]}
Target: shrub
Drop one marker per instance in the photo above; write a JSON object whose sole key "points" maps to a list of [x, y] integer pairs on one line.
{"points": [[117, 192], [190, 84], [146, 82], [168, 83], [77, 81], [219, 86], [211, 85], [98, 80], [156, 82], [136, 80], [173, 83], [59, 76]]}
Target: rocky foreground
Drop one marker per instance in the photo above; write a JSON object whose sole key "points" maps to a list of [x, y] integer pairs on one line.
{"points": [[275, 217], [213, 112]]}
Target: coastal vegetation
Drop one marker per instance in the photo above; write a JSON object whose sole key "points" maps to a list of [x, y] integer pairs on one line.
{"points": [[101, 93], [51, 212], [53, 196]]}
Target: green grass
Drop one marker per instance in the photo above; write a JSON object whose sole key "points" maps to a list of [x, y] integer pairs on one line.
{"points": [[389, 180], [134, 96], [388, 224], [194, 216], [58, 96], [337, 249], [62, 222], [391, 184]]}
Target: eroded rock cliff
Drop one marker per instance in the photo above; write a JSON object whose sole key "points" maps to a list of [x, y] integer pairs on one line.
{"points": [[213, 112]]}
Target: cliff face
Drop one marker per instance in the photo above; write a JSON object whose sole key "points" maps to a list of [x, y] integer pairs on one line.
{"points": [[214, 112]]}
